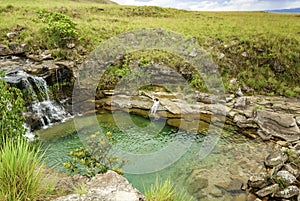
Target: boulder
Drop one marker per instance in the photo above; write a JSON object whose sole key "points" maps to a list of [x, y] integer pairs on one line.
{"points": [[278, 125], [109, 187], [287, 176], [275, 158], [257, 181], [288, 192], [268, 190]]}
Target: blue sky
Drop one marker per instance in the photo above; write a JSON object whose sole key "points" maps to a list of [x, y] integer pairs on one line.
{"points": [[217, 5]]}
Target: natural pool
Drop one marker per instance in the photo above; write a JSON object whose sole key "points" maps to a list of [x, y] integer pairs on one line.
{"points": [[218, 176]]}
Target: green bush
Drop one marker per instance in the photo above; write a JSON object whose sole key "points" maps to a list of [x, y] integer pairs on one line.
{"points": [[11, 108], [60, 28], [20, 171], [97, 160], [165, 192]]}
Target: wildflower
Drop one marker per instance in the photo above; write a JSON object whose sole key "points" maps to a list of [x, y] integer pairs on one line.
{"points": [[67, 165], [108, 134]]}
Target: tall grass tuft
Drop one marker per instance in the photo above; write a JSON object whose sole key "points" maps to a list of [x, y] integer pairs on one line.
{"points": [[165, 191], [20, 170]]}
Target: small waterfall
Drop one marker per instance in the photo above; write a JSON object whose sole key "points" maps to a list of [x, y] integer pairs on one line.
{"points": [[42, 109]]}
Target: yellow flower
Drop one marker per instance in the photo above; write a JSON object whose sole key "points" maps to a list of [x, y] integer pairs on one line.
{"points": [[82, 161], [74, 160], [108, 134], [93, 136], [102, 143], [98, 164], [67, 165], [71, 153]]}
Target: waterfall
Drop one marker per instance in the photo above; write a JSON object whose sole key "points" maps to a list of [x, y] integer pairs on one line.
{"points": [[43, 110]]}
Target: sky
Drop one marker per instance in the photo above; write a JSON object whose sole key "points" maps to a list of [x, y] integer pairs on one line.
{"points": [[217, 5]]}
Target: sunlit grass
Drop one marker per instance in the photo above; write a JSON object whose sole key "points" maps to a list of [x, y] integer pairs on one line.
{"points": [[165, 191], [269, 42], [21, 171]]}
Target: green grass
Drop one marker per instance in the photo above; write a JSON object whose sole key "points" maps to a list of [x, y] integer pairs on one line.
{"points": [[261, 49], [165, 191], [21, 171]]}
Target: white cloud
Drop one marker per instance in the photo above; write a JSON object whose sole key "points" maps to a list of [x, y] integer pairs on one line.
{"points": [[217, 5]]}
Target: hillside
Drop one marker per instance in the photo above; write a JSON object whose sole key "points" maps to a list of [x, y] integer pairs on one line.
{"points": [[261, 50]]}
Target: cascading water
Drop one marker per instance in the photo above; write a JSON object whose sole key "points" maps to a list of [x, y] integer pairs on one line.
{"points": [[45, 110]]}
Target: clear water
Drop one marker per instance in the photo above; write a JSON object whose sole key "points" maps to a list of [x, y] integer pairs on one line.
{"points": [[233, 159]]}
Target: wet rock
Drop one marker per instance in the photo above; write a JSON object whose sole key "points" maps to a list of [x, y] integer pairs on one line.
{"points": [[288, 192], [257, 181], [287, 176], [268, 190], [275, 158], [109, 187], [278, 125]]}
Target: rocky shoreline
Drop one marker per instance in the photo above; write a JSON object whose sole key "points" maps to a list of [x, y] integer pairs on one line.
{"points": [[275, 119]]}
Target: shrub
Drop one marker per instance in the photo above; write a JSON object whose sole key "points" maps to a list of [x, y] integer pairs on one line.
{"points": [[11, 108], [97, 160], [20, 170], [165, 192], [60, 28]]}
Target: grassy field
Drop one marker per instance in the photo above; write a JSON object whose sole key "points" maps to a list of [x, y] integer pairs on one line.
{"points": [[261, 50]]}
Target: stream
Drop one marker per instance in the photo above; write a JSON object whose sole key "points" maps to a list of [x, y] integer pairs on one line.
{"points": [[219, 176]]}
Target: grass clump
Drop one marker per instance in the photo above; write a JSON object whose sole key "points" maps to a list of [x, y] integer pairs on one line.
{"points": [[60, 29], [165, 191], [20, 171]]}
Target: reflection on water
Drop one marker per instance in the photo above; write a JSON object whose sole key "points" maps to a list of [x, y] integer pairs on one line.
{"points": [[219, 176]]}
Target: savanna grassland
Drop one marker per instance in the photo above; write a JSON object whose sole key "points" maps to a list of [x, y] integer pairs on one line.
{"points": [[261, 50]]}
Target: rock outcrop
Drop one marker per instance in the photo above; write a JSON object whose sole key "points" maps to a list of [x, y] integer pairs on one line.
{"points": [[109, 187], [263, 116]]}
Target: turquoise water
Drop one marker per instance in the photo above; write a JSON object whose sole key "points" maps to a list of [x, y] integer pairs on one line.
{"points": [[154, 150]]}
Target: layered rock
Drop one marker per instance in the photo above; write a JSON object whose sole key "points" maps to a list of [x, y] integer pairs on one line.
{"points": [[253, 116]]}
